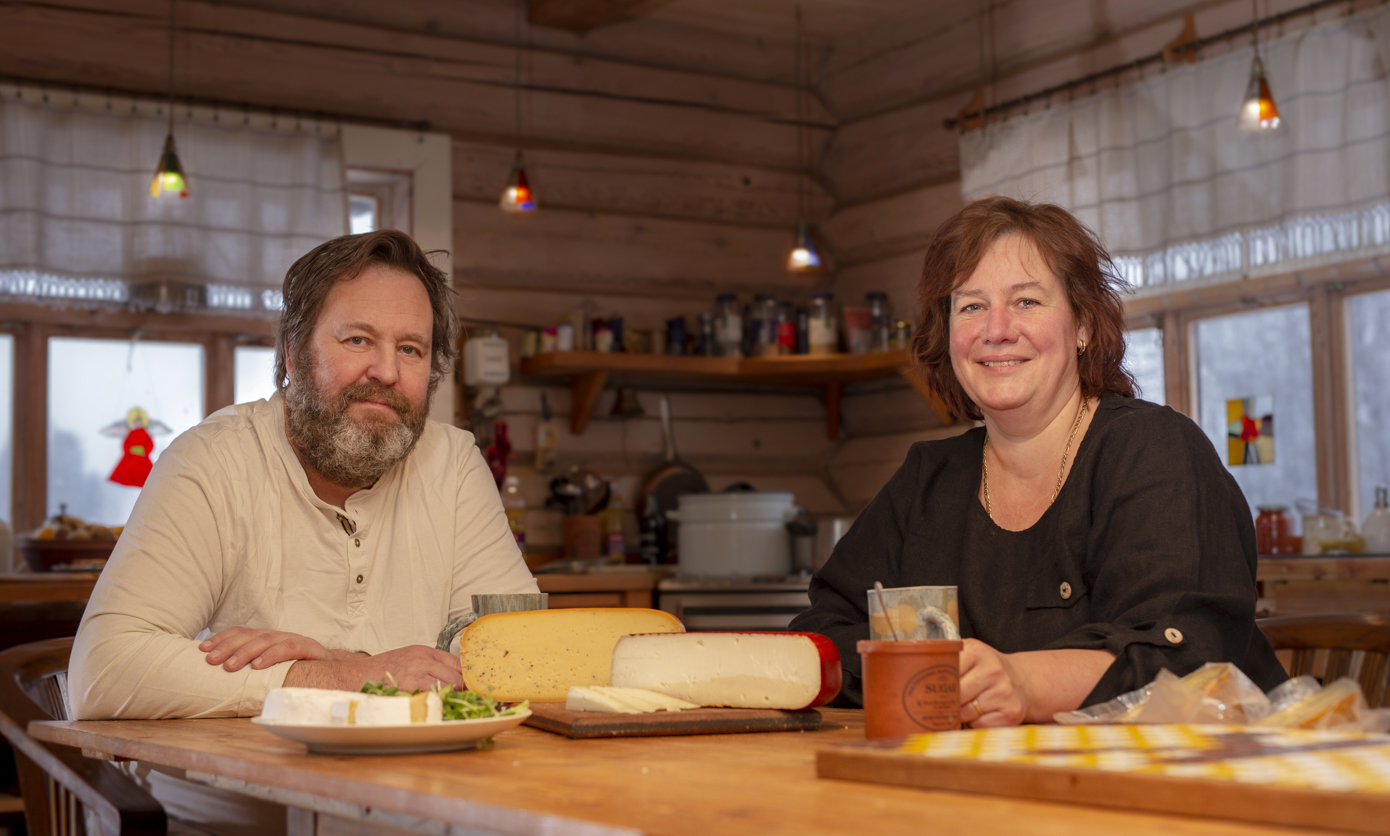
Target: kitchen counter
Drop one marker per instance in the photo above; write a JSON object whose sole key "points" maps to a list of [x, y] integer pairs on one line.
{"points": [[534, 782]]}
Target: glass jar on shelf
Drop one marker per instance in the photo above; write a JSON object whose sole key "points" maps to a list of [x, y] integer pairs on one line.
{"points": [[1273, 530], [765, 325], [822, 332], [880, 321], [728, 326]]}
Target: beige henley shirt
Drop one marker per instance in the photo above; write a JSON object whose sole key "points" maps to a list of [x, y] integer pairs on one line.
{"points": [[227, 532]]}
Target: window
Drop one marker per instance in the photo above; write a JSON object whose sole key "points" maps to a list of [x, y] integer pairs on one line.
{"points": [[364, 211], [1368, 333], [1144, 360], [94, 388], [254, 373], [1252, 367], [6, 434]]}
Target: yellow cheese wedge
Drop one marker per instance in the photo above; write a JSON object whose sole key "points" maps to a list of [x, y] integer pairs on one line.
{"points": [[538, 655]]}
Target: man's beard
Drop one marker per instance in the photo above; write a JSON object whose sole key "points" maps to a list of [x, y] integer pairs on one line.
{"points": [[346, 451]]}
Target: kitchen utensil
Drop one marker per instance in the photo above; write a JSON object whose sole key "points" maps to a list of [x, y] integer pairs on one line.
{"points": [[593, 489], [803, 534], [829, 530], [673, 479], [734, 534]]}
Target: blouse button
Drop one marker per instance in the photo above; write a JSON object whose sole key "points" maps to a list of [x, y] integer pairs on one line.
{"points": [[359, 578], [358, 542], [1173, 635], [1066, 590]]}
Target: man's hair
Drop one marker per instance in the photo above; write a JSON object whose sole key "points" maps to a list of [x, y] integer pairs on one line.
{"points": [[1068, 249], [312, 277]]}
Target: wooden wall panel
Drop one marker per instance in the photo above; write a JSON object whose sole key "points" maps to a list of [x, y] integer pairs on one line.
{"points": [[563, 250], [641, 185], [863, 465], [901, 223]]}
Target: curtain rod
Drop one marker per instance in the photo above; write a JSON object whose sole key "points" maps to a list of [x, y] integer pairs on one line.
{"points": [[216, 104], [953, 122]]}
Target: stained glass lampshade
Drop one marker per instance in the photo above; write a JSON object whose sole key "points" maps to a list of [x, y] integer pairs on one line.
{"points": [[803, 257], [517, 196], [1258, 112], [168, 178]]}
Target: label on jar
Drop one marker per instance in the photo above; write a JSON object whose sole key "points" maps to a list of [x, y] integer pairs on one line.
{"points": [[821, 332], [931, 698]]}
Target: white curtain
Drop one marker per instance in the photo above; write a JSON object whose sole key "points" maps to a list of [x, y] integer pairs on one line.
{"points": [[78, 225], [1177, 193]]}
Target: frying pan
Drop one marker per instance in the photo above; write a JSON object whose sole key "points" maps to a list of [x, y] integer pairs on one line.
{"points": [[673, 478]]}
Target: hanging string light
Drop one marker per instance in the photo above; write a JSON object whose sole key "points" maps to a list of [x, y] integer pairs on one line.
{"points": [[517, 196], [169, 179], [803, 257], [1257, 112]]}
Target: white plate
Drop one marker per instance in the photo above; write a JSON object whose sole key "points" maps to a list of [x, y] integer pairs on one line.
{"points": [[394, 740]]}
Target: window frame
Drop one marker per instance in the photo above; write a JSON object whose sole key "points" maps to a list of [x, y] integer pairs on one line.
{"points": [[1179, 306], [32, 325]]}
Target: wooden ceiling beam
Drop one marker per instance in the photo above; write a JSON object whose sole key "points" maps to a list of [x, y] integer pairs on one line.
{"points": [[584, 15]]}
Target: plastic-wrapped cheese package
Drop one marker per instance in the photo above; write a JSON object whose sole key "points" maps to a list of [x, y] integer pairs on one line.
{"points": [[1219, 693]]}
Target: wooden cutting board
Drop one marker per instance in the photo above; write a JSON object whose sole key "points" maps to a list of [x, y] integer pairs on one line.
{"points": [[1324, 779], [554, 717]]}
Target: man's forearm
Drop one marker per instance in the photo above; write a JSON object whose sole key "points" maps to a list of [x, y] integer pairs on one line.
{"points": [[342, 671]]}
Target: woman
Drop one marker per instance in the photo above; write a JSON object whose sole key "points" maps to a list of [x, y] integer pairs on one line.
{"points": [[1095, 538]]}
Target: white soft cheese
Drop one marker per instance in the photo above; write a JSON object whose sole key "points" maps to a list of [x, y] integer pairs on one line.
{"points": [[302, 706], [402, 710], [739, 670], [610, 700]]}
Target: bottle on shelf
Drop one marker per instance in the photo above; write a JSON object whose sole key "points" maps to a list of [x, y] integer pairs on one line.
{"points": [[611, 525], [803, 336], [880, 321], [1376, 529], [728, 326], [823, 333], [515, 508], [786, 329], [653, 533]]}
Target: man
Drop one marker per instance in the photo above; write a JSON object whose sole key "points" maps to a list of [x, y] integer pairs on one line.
{"points": [[321, 538]]}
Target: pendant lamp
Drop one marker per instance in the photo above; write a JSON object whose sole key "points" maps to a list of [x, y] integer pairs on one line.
{"points": [[1257, 112], [803, 258], [169, 179], [517, 197]]}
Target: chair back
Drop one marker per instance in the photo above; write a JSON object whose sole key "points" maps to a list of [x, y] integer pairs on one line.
{"points": [[60, 786], [1333, 645]]}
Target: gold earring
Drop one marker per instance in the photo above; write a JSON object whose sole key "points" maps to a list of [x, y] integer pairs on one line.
{"points": [[1081, 348]]}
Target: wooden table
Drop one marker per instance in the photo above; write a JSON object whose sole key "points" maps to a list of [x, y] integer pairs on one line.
{"points": [[1333, 583], [534, 782], [46, 587]]}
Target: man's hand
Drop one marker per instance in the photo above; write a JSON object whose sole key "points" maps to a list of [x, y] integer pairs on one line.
{"points": [[414, 668], [236, 647]]}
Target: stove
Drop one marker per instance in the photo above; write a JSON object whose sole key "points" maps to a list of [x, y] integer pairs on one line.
{"points": [[741, 604]]}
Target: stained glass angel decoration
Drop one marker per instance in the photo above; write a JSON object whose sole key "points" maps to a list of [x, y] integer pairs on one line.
{"points": [[134, 466]]}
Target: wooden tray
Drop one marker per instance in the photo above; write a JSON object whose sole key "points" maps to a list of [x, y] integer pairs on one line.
{"points": [[1332, 780], [553, 717]]}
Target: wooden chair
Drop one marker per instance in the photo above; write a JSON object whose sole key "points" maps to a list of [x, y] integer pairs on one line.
{"points": [[1335, 645], [57, 781]]}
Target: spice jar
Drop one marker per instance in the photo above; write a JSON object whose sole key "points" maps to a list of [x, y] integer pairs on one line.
{"points": [[1273, 530]]}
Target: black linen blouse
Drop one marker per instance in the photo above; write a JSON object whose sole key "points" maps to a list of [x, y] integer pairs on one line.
{"points": [[1148, 552]]}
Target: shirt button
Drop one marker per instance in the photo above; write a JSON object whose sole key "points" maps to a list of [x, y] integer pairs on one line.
{"points": [[359, 578], [358, 543], [1173, 635], [1066, 590]]}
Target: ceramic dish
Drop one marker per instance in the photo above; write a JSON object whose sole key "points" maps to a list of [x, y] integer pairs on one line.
{"points": [[394, 740]]}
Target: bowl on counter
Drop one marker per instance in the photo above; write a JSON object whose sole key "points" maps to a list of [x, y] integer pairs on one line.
{"points": [[65, 555]]}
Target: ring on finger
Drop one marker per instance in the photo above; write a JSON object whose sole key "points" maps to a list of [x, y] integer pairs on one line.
{"points": [[979, 712]]}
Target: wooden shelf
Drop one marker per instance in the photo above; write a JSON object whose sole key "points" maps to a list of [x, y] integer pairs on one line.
{"points": [[589, 371]]}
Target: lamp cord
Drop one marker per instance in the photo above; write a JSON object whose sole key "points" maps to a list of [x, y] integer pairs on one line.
{"points": [[800, 141], [171, 66], [516, 40]]}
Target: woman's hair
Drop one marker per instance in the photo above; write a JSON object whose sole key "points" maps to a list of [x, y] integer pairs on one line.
{"points": [[1070, 251], [310, 279]]}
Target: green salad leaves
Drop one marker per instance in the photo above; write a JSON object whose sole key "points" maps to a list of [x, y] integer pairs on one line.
{"points": [[458, 705]]}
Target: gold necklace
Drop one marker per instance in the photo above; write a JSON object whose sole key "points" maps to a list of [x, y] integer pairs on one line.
{"points": [[1061, 471]]}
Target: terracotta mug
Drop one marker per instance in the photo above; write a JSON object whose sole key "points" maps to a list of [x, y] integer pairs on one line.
{"points": [[910, 687]]}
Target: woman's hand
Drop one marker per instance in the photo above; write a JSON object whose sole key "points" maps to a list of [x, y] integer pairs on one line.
{"points": [[990, 693], [1005, 689]]}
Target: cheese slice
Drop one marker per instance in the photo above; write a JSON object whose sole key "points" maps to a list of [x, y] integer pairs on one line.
{"points": [[303, 706], [400, 710], [737, 670], [611, 700], [538, 655]]}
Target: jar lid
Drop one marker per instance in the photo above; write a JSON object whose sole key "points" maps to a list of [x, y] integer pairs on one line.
{"points": [[1271, 509]]}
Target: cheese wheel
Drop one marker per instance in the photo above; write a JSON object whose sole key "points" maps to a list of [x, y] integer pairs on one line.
{"points": [[735, 670], [303, 706], [537, 655]]}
